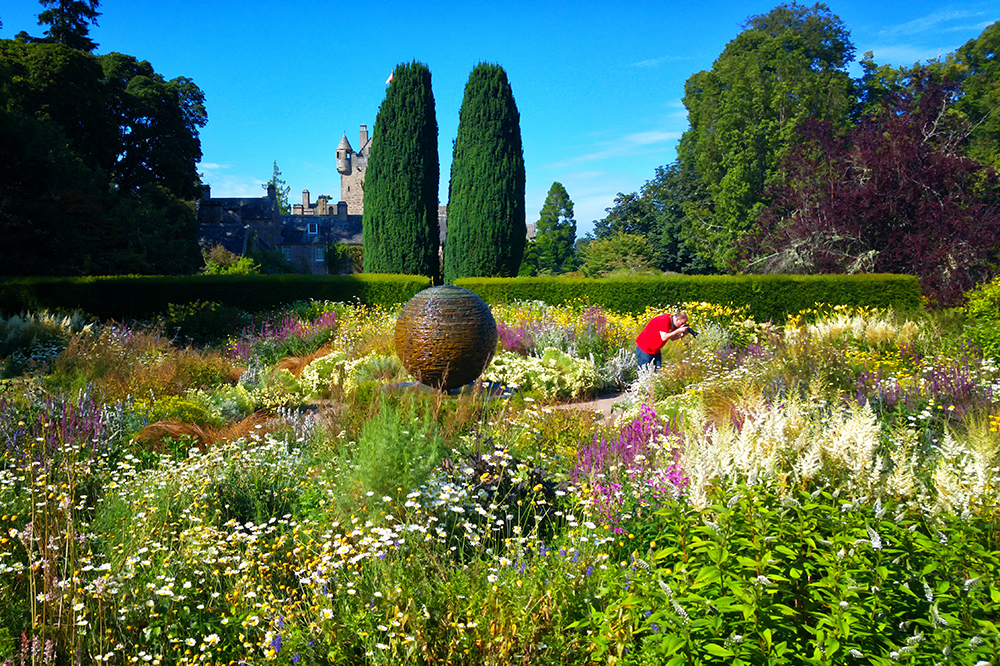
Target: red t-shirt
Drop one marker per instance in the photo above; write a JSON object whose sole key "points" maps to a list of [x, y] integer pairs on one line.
{"points": [[650, 340]]}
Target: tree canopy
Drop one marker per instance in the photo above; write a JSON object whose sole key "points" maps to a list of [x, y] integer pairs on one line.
{"points": [[99, 163], [486, 228], [786, 66], [976, 65], [401, 182], [68, 22], [894, 195]]}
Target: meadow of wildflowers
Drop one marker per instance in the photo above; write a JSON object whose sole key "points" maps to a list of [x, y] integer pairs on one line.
{"points": [[822, 490]]}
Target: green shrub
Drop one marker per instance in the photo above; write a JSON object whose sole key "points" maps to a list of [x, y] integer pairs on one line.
{"points": [[342, 258], [761, 578], [176, 408], [141, 297], [765, 296], [554, 376], [203, 322], [395, 453], [983, 311]]}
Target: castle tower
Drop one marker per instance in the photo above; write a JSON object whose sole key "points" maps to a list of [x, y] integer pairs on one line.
{"points": [[344, 157], [352, 182]]}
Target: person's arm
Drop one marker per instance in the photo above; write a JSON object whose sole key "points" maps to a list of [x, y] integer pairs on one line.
{"points": [[674, 334]]}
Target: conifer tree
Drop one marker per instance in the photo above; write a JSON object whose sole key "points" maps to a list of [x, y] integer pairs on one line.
{"points": [[486, 230], [555, 232], [401, 183], [281, 190], [67, 21]]}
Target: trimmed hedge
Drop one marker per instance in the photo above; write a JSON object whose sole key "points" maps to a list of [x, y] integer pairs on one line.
{"points": [[140, 297], [768, 296]]}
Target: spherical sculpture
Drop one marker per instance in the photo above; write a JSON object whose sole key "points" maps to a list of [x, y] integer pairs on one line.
{"points": [[445, 337]]}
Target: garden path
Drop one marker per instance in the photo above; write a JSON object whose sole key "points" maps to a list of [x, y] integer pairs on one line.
{"points": [[603, 404]]}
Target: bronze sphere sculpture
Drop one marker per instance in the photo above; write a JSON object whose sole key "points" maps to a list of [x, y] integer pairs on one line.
{"points": [[445, 337]]}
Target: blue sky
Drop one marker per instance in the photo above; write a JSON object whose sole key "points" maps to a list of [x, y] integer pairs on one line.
{"points": [[598, 84]]}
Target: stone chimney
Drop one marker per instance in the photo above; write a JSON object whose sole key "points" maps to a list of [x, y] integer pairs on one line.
{"points": [[305, 199], [206, 192], [321, 207], [363, 137], [272, 191]]}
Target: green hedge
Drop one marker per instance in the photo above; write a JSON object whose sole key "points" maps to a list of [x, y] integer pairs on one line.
{"points": [[139, 297], [768, 296]]}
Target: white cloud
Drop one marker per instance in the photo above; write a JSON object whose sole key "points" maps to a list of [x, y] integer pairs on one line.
{"points": [[653, 62], [904, 55], [924, 38], [648, 63], [630, 145], [229, 185], [935, 22]]}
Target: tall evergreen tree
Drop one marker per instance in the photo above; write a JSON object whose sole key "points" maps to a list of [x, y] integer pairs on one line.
{"points": [[401, 183], [555, 232], [68, 20], [486, 230], [281, 190]]}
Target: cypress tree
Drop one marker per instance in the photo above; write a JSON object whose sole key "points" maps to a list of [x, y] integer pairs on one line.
{"points": [[486, 230], [401, 183]]}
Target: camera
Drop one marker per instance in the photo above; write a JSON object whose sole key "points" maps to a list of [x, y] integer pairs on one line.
{"points": [[693, 333]]}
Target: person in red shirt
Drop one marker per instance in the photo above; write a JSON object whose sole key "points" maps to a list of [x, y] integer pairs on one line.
{"points": [[655, 334]]}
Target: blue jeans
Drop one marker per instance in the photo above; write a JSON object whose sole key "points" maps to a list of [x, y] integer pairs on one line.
{"points": [[645, 359]]}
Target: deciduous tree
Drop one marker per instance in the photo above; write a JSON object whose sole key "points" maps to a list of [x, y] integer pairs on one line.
{"points": [[401, 182], [894, 196], [157, 125], [617, 253], [98, 171], [486, 229], [786, 66], [656, 211], [977, 66]]}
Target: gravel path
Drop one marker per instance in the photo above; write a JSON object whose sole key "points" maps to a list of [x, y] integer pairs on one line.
{"points": [[603, 404]]}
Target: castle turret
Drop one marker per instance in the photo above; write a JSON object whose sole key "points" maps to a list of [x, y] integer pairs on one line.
{"points": [[344, 156]]}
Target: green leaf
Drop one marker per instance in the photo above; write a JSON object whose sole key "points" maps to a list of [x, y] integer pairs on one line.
{"points": [[718, 651], [707, 575]]}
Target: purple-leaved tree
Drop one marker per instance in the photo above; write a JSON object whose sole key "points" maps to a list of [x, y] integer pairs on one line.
{"points": [[894, 195]]}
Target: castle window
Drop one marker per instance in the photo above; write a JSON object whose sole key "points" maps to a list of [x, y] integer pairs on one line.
{"points": [[312, 228], [286, 251], [319, 253]]}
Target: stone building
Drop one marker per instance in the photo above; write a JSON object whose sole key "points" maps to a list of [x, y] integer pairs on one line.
{"points": [[241, 224], [237, 223]]}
